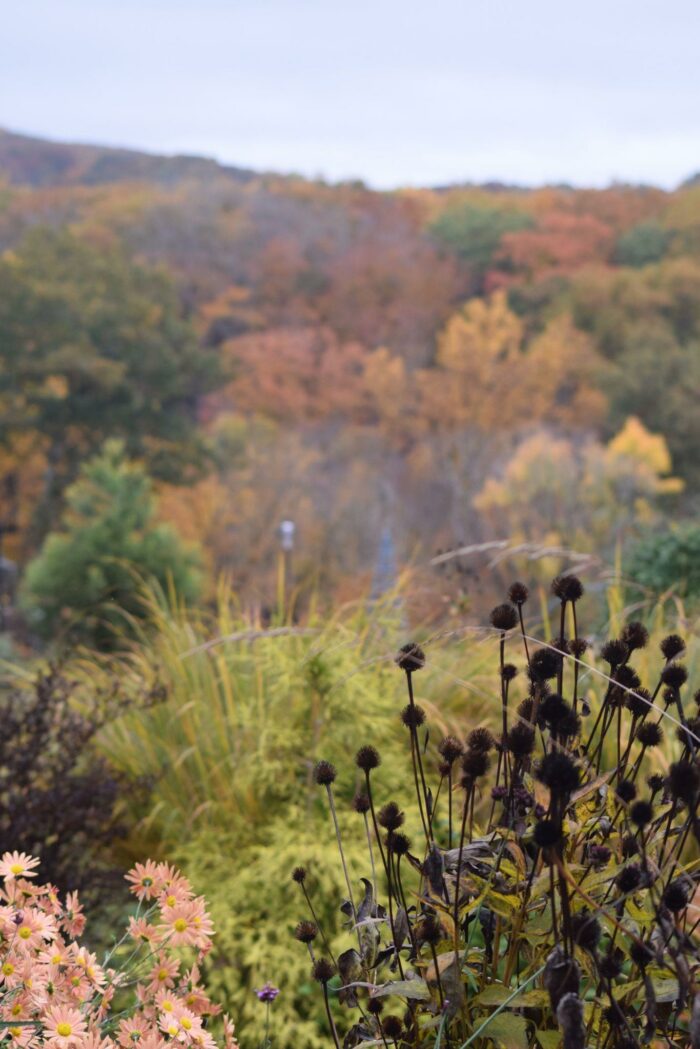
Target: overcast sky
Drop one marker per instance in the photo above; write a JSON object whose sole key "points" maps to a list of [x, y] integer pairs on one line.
{"points": [[392, 91]]}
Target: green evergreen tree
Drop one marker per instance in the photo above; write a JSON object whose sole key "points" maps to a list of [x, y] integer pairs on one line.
{"points": [[85, 579]]}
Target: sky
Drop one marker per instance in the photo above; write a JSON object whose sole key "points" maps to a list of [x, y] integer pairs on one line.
{"points": [[395, 92]]}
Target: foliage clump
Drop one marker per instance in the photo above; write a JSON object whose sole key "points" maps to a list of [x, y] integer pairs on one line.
{"points": [[544, 892]]}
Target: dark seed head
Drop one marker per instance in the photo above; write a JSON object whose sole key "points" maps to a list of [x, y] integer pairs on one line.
{"points": [[552, 709], [481, 739], [306, 932], [521, 740], [641, 813], [558, 772], [610, 964], [672, 646], [450, 749], [586, 929], [674, 675], [413, 716], [509, 671], [518, 593], [569, 726], [578, 646], [410, 657], [635, 635], [614, 652], [299, 875], [429, 930], [400, 844], [676, 896], [638, 702], [655, 782], [367, 758], [626, 790], [546, 834], [390, 816], [629, 878], [393, 1027], [503, 617], [544, 664], [598, 854], [641, 954], [475, 763], [567, 588], [683, 781], [361, 802], [324, 773], [323, 970], [375, 1006]]}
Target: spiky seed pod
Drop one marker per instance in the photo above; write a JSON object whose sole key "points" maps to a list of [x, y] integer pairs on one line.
{"points": [[627, 677], [638, 702], [655, 782], [400, 844], [610, 965], [509, 671], [525, 708], [578, 646], [570, 1020], [561, 644], [361, 802], [558, 772], [475, 763], [569, 726], [552, 709], [499, 793], [299, 875], [413, 716], [674, 675], [635, 635], [429, 930], [390, 816], [521, 740], [518, 593], [630, 846], [324, 773], [672, 646], [641, 954], [444, 768], [544, 664], [676, 896], [410, 657], [626, 790], [629, 878], [546, 834], [567, 588], [323, 970], [450, 749], [586, 930], [393, 1027], [641, 813], [306, 932], [683, 781], [614, 652], [598, 855], [481, 739], [375, 1006], [367, 758], [503, 617]]}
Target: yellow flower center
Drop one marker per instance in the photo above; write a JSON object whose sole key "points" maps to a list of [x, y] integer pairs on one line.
{"points": [[56, 960], [15, 1031], [16, 1010], [180, 925], [162, 974], [64, 1029], [172, 1029], [24, 932], [16, 868], [170, 900], [8, 968], [167, 1006], [186, 1023]]}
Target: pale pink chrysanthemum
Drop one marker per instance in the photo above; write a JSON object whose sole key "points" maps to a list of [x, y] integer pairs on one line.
{"points": [[164, 973], [188, 925], [131, 1031], [230, 1040], [17, 865], [32, 928], [64, 1027], [146, 881], [73, 920], [142, 930]]}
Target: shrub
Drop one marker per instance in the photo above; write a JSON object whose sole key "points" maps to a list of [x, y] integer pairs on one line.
{"points": [[85, 578], [55, 993], [642, 245], [542, 894], [668, 561]]}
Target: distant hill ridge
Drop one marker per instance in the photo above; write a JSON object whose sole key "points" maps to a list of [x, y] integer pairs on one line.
{"points": [[39, 162]]}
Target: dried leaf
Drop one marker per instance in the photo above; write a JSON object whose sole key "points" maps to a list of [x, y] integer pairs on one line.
{"points": [[416, 989]]}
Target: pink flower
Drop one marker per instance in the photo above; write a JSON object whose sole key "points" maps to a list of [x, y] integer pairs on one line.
{"points": [[17, 865], [146, 880], [64, 1027]]}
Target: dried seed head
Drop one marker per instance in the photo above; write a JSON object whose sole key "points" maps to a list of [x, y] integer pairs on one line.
{"points": [[638, 702], [629, 878], [641, 813], [306, 932], [635, 635], [521, 740], [649, 734], [361, 802], [367, 758], [323, 970], [569, 726], [400, 845], [450, 749], [655, 782], [614, 652], [503, 617], [481, 739], [299, 875], [509, 671], [586, 929], [390, 816], [641, 954], [672, 646], [518, 593], [578, 646], [375, 1006], [567, 588], [552, 709], [683, 781], [413, 716], [626, 790], [558, 772], [546, 834], [429, 930], [392, 1026], [598, 855], [524, 709], [676, 896], [475, 763], [544, 664], [324, 773], [410, 657], [674, 675]]}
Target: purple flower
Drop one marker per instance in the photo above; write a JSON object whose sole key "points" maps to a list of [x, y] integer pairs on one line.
{"points": [[498, 793], [268, 993]]}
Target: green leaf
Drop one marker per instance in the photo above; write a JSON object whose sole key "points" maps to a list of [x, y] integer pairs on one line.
{"points": [[497, 994], [416, 989], [549, 1039], [508, 1030]]}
